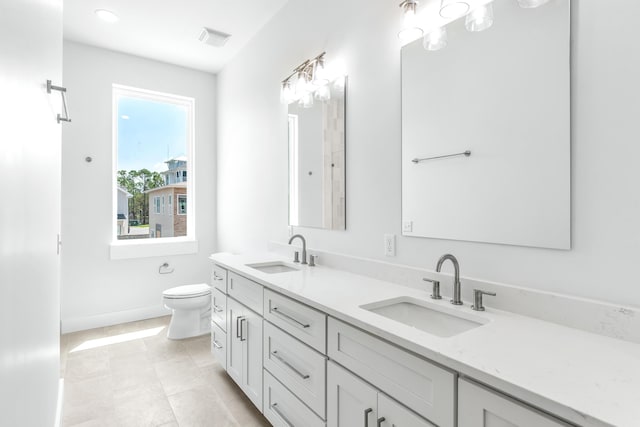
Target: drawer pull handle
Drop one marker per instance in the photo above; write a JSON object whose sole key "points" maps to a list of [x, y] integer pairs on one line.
{"points": [[216, 345], [242, 322], [238, 332], [217, 308], [276, 310], [366, 416], [281, 415], [289, 365], [217, 278], [381, 420]]}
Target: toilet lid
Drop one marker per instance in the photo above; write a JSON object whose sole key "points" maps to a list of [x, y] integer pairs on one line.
{"points": [[188, 291]]}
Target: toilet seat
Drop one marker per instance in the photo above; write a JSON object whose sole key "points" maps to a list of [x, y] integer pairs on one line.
{"points": [[187, 291]]}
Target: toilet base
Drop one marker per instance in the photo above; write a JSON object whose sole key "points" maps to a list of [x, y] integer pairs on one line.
{"points": [[188, 324]]}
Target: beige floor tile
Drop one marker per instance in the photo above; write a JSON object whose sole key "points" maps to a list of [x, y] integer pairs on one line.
{"points": [[201, 407], [152, 381], [89, 365]]}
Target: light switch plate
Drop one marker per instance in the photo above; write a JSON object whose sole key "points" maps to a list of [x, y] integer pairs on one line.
{"points": [[407, 226]]}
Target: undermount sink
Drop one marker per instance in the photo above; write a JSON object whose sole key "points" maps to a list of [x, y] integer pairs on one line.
{"points": [[272, 267], [430, 318]]}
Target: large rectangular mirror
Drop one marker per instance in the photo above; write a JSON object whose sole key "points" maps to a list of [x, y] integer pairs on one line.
{"points": [[317, 161], [503, 95]]}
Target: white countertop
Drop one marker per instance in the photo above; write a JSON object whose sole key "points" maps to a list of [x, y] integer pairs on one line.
{"points": [[588, 379]]}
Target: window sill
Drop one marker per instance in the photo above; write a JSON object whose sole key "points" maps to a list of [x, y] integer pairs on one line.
{"points": [[153, 248]]}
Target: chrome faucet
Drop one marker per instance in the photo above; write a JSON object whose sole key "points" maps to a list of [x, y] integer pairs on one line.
{"points": [[456, 277], [304, 247]]}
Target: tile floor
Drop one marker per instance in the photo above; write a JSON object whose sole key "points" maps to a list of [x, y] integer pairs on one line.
{"points": [[132, 375]]}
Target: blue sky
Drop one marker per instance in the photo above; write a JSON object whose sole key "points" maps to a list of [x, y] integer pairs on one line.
{"points": [[149, 132]]}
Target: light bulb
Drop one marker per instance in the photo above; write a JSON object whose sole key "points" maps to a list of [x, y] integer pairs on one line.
{"points": [[480, 18], [453, 9], [436, 39], [530, 4]]}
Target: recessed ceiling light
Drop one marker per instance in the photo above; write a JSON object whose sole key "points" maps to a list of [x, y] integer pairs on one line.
{"points": [[106, 15]]}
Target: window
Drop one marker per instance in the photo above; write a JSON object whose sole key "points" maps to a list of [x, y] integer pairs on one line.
{"points": [[153, 152], [182, 204]]}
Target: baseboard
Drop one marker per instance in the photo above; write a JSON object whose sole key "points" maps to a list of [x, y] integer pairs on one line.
{"points": [[114, 318]]}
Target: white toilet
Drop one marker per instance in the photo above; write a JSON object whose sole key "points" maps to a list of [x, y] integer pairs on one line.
{"points": [[191, 308]]}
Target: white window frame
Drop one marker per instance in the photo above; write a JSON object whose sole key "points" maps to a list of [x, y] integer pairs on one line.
{"points": [[170, 204], [139, 248], [156, 205], [178, 205]]}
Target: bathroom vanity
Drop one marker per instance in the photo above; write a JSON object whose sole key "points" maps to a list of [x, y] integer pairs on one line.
{"points": [[315, 346]]}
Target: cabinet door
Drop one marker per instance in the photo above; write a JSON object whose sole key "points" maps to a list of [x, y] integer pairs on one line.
{"points": [[251, 337], [235, 311], [480, 407], [350, 401], [392, 414]]}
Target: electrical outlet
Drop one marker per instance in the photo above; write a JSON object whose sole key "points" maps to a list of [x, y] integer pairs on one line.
{"points": [[407, 226], [290, 230], [390, 244]]}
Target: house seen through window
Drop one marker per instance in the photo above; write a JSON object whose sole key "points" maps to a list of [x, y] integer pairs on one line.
{"points": [[153, 141]]}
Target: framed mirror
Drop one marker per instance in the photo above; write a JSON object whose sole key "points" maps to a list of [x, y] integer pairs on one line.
{"points": [[503, 96], [317, 176]]}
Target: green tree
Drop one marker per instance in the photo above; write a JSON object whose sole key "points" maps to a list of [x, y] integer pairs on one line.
{"points": [[137, 183]]}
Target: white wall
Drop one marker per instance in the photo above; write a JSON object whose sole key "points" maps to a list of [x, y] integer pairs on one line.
{"points": [[30, 215], [95, 289], [252, 148]]}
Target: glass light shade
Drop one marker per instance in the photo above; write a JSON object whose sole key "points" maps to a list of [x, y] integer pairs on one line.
{"points": [[453, 9], [410, 29], [287, 94], [436, 39], [319, 74], [410, 34], [302, 86], [480, 18], [307, 100], [323, 93], [530, 4]]}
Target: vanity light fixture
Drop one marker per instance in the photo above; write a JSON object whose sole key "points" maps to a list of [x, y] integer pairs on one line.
{"points": [[435, 39], [477, 19], [480, 18], [453, 9], [308, 80], [106, 15], [530, 4]]}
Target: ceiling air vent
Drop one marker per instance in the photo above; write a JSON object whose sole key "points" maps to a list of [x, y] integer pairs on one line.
{"points": [[212, 37]]}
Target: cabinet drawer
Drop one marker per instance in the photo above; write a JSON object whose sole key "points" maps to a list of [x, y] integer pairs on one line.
{"points": [[301, 321], [300, 368], [422, 386], [219, 308], [481, 407], [218, 345], [283, 409], [219, 278], [246, 292]]}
